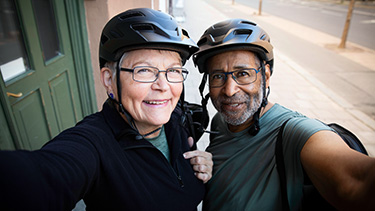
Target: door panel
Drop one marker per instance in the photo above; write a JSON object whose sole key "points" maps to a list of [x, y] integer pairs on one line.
{"points": [[63, 101], [31, 120]]}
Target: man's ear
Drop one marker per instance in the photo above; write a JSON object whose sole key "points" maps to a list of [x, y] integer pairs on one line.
{"points": [[106, 79], [268, 75]]}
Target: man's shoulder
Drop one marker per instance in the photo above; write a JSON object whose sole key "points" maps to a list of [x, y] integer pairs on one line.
{"points": [[277, 114]]}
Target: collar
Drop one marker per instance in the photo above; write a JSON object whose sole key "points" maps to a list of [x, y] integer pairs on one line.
{"points": [[120, 128], [125, 135]]}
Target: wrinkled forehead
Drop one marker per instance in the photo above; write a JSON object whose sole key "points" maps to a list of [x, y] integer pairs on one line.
{"points": [[150, 56], [231, 59]]}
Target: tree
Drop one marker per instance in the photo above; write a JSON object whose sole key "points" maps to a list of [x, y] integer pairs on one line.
{"points": [[347, 24], [170, 7], [260, 7]]}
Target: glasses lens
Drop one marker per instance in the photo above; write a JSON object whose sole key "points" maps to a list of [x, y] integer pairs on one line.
{"points": [[242, 77], [145, 74], [245, 76], [217, 79], [176, 75]]}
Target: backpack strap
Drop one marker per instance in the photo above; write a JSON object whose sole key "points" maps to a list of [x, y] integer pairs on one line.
{"points": [[350, 139], [280, 165]]}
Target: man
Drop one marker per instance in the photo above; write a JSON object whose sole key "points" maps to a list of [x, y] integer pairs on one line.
{"points": [[237, 57]]}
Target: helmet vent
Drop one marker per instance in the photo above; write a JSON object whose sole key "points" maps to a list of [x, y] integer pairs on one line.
{"points": [[143, 27], [103, 39], [248, 22], [184, 32], [131, 15], [243, 31], [202, 41], [116, 34]]}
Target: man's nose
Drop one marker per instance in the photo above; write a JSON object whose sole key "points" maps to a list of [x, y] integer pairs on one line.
{"points": [[230, 87]]}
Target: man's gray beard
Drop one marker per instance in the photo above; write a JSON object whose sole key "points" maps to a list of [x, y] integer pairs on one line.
{"points": [[252, 104]]}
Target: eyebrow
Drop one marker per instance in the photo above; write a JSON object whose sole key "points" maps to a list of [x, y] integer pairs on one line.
{"points": [[145, 63], [241, 66]]}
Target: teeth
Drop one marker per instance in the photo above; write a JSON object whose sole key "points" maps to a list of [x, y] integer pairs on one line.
{"points": [[234, 105], [156, 102]]}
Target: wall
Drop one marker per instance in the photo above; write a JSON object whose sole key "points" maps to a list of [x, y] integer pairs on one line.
{"points": [[98, 12]]}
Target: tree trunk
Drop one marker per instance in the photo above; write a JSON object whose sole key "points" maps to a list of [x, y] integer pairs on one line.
{"points": [[170, 8], [260, 7], [347, 24]]}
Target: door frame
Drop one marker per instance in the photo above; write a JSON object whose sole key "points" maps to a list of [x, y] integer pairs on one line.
{"points": [[75, 11], [80, 49]]}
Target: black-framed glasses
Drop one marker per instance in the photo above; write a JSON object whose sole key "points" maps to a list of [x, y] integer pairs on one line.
{"points": [[241, 77], [147, 74]]}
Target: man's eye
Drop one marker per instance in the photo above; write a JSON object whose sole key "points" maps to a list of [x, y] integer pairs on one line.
{"points": [[217, 76], [243, 73]]}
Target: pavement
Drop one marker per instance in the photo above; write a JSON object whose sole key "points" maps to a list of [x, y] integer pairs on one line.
{"points": [[292, 85]]}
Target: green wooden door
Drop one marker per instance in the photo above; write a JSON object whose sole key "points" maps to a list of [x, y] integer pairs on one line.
{"points": [[39, 84]]}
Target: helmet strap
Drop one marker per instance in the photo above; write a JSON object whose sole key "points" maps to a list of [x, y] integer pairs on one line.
{"points": [[255, 128], [204, 102]]}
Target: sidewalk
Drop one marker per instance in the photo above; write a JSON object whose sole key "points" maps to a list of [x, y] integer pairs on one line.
{"points": [[291, 85]]}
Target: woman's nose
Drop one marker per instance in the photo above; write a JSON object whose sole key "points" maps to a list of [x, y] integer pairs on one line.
{"points": [[161, 82]]}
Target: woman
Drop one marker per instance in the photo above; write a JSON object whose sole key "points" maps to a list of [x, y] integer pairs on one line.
{"points": [[132, 155]]}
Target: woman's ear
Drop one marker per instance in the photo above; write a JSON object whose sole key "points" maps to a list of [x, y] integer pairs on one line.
{"points": [[268, 75], [106, 79]]}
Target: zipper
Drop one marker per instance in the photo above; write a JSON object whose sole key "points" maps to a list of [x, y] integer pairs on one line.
{"points": [[176, 173], [178, 177]]}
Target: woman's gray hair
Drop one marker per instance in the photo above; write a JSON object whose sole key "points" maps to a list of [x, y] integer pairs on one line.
{"points": [[113, 65]]}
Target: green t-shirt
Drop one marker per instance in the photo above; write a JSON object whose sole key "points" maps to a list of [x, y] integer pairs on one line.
{"points": [[161, 143], [245, 175]]}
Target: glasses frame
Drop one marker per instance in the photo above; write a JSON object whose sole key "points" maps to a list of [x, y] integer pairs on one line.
{"points": [[184, 76], [234, 77]]}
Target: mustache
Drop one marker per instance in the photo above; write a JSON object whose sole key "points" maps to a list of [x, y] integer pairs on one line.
{"points": [[238, 98]]}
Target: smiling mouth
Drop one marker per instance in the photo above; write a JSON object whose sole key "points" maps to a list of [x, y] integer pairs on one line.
{"points": [[233, 104], [156, 102]]}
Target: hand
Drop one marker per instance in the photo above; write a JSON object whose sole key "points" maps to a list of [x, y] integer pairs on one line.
{"points": [[201, 162]]}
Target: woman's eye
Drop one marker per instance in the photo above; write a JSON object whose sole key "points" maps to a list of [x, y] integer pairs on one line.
{"points": [[144, 70], [178, 71]]}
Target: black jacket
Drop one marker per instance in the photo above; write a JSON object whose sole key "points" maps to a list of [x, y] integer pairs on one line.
{"points": [[100, 161]]}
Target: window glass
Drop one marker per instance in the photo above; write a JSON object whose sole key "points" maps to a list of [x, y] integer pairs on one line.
{"points": [[47, 30], [13, 57]]}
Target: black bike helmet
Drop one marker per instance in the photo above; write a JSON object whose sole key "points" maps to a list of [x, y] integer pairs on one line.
{"points": [[233, 34], [143, 28]]}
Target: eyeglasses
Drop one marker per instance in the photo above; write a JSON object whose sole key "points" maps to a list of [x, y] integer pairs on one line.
{"points": [[147, 74], [241, 77]]}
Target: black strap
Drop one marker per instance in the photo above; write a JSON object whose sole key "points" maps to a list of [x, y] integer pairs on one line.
{"points": [[187, 113], [281, 167]]}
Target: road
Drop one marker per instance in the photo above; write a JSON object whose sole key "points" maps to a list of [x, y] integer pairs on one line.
{"points": [[327, 17]]}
